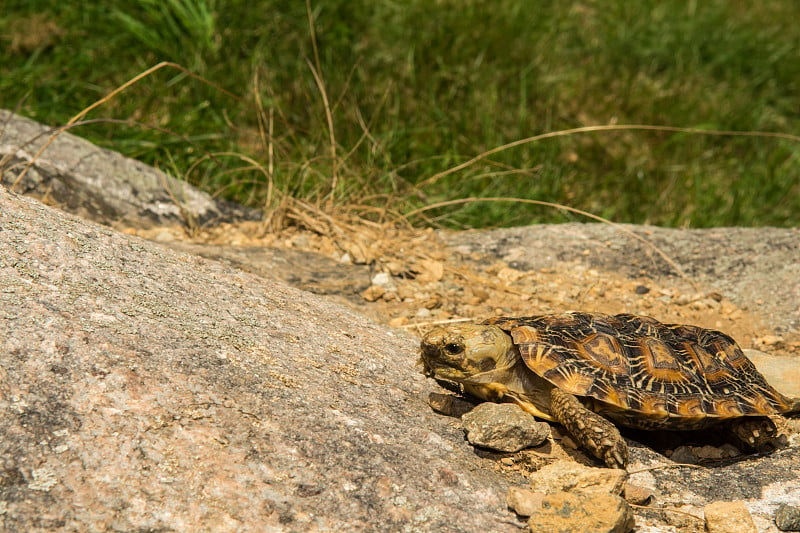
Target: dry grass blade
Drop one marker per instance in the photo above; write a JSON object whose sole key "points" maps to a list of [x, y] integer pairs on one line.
{"points": [[316, 71], [74, 120], [670, 465], [667, 510], [590, 129]]}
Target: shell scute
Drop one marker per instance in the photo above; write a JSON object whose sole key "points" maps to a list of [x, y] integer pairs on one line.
{"points": [[665, 375]]}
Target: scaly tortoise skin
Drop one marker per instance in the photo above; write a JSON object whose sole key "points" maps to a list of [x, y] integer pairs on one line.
{"points": [[587, 370]]}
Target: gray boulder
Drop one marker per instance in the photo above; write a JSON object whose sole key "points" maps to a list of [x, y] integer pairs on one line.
{"points": [[100, 184], [146, 389]]}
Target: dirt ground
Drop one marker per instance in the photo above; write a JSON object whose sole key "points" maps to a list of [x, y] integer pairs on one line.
{"points": [[416, 279]]}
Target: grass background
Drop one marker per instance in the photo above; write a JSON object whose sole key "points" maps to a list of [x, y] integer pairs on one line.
{"points": [[416, 87]]}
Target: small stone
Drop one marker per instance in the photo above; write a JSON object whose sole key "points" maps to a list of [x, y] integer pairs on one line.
{"points": [[524, 502], [683, 455], [569, 512], [383, 279], [429, 270], [503, 427], [729, 450], [373, 293], [449, 405], [570, 476], [769, 341], [788, 517], [641, 289], [398, 321], [636, 495], [481, 294], [708, 452], [725, 517]]}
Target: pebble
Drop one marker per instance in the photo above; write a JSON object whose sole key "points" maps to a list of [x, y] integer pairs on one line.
{"points": [[503, 427], [695, 454], [573, 477], [575, 512], [524, 502], [636, 495], [373, 293], [683, 455], [788, 517], [448, 404], [398, 321], [383, 279], [727, 517]]}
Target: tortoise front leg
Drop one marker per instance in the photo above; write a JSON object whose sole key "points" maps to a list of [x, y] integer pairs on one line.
{"points": [[593, 432]]}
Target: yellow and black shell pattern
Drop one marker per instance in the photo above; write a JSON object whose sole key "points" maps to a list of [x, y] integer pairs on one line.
{"points": [[644, 373]]}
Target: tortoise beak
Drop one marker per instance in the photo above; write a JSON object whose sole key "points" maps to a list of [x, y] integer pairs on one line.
{"points": [[428, 353]]}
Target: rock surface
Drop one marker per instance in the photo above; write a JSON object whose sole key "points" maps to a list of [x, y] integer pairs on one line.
{"points": [[578, 512], [787, 518], [573, 477], [503, 427], [727, 517], [450, 404], [757, 268], [99, 184], [144, 389], [524, 502]]}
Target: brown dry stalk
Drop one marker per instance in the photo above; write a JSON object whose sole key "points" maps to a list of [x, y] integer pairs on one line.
{"points": [[74, 120], [331, 135], [614, 127], [316, 71], [665, 509], [669, 465]]}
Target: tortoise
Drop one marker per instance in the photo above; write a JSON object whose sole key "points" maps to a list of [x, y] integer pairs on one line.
{"points": [[590, 371]]}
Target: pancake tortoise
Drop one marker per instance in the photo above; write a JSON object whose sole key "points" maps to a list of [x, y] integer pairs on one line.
{"points": [[589, 371]]}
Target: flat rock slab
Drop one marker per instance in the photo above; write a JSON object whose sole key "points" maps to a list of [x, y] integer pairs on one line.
{"points": [[757, 268], [147, 389]]}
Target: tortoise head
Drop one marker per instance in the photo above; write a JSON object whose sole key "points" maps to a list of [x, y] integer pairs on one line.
{"points": [[467, 353]]}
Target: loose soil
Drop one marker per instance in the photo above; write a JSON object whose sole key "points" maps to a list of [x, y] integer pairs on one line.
{"points": [[416, 279]]}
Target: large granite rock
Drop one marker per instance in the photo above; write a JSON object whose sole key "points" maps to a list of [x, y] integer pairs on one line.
{"points": [[100, 184], [149, 390]]}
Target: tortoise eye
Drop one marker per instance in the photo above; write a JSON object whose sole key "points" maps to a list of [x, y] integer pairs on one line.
{"points": [[453, 348]]}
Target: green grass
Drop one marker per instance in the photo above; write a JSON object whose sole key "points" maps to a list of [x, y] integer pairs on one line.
{"points": [[417, 87]]}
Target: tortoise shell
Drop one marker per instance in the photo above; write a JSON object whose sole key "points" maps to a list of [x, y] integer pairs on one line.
{"points": [[644, 373]]}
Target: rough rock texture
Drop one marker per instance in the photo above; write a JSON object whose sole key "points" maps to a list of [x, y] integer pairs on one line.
{"points": [[578, 512], [524, 502], [147, 390], [100, 184], [727, 517], [756, 267], [574, 477], [783, 373], [503, 427], [450, 404], [787, 518], [637, 495]]}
